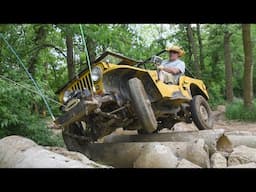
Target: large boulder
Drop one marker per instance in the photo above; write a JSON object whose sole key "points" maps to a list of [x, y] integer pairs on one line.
{"points": [[218, 161], [76, 156], [20, 152], [242, 155], [182, 127], [243, 139], [183, 163], [156, 155], [197, 152], [247, 165], [219, 113]]}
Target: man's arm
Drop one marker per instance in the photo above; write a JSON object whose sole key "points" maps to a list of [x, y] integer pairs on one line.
{"points": [[172, 70]]}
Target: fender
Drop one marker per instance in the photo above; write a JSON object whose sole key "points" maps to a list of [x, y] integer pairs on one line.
{"points": [[116, 77], [191, 87]]}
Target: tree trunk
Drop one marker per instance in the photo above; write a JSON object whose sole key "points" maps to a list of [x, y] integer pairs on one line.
{"points": [[201, 55], [161, 40], [45, 76], [215, 61], [248, 66], [228, 67], [183, 29], [192, 42], [70, 59], [189, 48], [91, 49], [40, 36]]}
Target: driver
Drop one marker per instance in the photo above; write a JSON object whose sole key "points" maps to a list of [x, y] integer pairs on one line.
{"points": [[172, 68]]}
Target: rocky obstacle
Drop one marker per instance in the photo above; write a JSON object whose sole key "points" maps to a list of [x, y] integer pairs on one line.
{"points": [[215, 139], [20, 152], [177, 149], [156, 155], [218, 161], [124, 155], [183, 163], [180, 149], [242, 155]]}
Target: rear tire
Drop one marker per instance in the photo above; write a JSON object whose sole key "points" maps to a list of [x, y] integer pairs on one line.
{"points": [[201, 113], [142, 106]]}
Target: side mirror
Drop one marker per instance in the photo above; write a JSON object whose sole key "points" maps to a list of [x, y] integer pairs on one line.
{"points": [[156, 59]]}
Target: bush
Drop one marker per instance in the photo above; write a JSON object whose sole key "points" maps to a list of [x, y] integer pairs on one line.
{"points": [[35, 129], [17, 118], [236, 110], [216, 98]]}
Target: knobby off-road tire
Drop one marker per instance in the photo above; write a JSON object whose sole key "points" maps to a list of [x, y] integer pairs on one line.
{"points": [[142, 106], [69, 135], [201, 113]]}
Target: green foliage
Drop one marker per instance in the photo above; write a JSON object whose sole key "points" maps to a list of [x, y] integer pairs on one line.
{"points": [[237, 111], [16, 117], [33, 128], [216, 98]]}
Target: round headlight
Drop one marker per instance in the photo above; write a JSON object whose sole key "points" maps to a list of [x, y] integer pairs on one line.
{"points": [[96, 73], [66, 96]]}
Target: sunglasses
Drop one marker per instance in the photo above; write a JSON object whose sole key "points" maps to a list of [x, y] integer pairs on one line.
{"points": [[175, 52]]}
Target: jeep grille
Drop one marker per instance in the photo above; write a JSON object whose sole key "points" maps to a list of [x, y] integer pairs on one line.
{"points": [[84, 82]]}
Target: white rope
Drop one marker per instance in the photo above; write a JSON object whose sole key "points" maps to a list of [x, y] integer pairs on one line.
{"points": [[87, 56], [29, 75]]}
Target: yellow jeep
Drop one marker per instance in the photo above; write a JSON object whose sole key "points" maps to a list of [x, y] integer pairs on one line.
{"points": [[122, 92]]}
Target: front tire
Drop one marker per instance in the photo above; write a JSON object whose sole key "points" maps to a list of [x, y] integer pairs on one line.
{"points": [[201, 113], [142, 106], [69, 134]]}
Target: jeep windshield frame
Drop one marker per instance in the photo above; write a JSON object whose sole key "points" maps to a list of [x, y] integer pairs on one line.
{"points": [[116, 58]]}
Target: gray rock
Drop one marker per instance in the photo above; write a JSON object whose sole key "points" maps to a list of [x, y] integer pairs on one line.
{"points": [[247, 165], [218, 161], [156, 155], [183, 127], [76, 156], [219, 114], [221, 108], [183, 163], [242, 155], [20, 152], [198, 153]]}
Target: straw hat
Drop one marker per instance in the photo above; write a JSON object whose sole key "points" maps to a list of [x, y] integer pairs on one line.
{"points": [[176, 49]]}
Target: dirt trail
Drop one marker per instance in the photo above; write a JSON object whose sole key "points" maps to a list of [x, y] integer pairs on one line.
{"points": [[230, 125], [235, 125], [220, 122]]}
